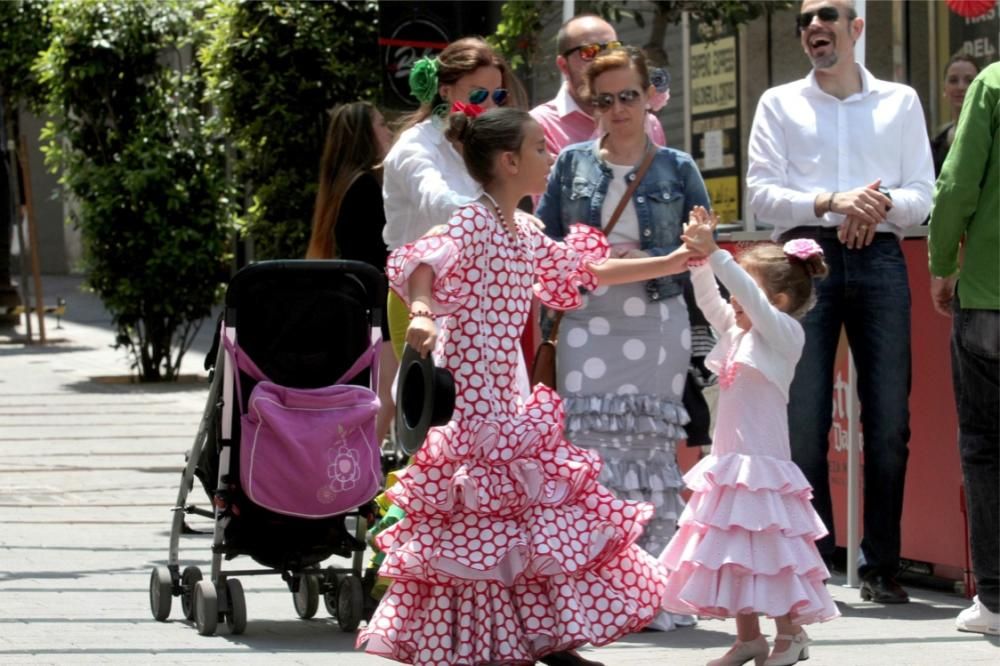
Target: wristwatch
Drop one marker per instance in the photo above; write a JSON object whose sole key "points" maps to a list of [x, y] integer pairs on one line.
{"points": [[888, 194]]}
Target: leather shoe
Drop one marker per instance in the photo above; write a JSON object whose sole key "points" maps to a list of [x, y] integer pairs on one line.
{"points": [[567, 658], [883, 590]]}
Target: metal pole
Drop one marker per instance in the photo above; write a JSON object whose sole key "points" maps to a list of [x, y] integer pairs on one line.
{"points": [[36, 264], [569, 9], [853, 413]]}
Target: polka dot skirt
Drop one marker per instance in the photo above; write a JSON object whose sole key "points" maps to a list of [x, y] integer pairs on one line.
{"points": [[510, 548]]}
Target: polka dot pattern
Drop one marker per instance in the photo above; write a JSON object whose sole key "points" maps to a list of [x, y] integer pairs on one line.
{"points": [[510, 548]]}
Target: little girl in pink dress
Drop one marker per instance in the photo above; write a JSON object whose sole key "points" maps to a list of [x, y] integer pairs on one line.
{"points": [[745, 542], [511, 552]]}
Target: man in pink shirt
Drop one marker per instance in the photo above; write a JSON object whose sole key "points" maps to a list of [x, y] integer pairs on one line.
{"points": [[564, 118]]}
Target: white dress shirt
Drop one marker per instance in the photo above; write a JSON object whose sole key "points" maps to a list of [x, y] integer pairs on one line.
{"points": [[424, 180], [805, 141]]}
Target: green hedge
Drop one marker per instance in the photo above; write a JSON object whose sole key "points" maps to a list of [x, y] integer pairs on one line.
{"points": [[129, 138], [273, 70]]}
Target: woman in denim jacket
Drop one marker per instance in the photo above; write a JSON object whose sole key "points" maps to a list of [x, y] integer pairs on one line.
{"points": [[622, 359]]}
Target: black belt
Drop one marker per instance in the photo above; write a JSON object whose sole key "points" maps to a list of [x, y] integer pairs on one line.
{"points": [[822, 233]]}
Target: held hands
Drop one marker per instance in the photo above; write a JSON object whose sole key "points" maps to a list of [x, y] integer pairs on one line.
{"points": [[865, 207], [698, 233]]}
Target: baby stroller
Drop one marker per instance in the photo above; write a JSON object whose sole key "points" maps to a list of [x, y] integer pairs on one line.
{"points": [[285, 449]]}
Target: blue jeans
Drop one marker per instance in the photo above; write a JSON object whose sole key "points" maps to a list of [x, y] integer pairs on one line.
{"points": [[975, 348], [868, 293]]}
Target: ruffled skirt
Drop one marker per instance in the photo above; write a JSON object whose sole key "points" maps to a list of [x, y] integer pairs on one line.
{"points": [[636, 437], [510, 548], [746, 543]]}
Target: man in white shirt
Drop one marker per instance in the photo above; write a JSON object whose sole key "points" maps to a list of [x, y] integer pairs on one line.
{"points": [[843, 158], [564, 118]]}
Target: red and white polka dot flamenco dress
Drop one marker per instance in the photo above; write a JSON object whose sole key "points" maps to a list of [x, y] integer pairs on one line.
{"points": [[510, 549]]}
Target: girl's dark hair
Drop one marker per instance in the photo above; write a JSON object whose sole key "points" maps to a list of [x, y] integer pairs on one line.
{"points": [[461, 57], [783, 274], [496, 131], [620, 58], [351, 149]]}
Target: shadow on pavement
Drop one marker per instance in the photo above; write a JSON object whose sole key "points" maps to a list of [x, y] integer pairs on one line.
{"points": [[147, 388], [915, 610]]}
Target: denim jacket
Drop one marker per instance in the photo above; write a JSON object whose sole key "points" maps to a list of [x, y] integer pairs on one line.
{"points": [[672, 186]]}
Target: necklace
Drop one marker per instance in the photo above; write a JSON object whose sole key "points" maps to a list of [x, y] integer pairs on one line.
{"points": [[511, 229]]}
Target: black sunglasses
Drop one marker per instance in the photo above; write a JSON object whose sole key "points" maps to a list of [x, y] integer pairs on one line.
{"points": [[825, 14], [479, 95], [605, 101], [590, 51]]}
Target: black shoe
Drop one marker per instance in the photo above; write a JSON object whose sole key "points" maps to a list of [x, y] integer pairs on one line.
{"points": [[883, 590], [567, 658]]}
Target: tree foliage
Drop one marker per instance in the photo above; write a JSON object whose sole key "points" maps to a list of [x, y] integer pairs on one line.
{"points": [[129, 138], [24, 33], [273, 70], [522, 21]]}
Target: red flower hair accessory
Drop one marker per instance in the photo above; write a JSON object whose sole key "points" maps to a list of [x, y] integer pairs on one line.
{"points": [[802, 248], [471, 110]]}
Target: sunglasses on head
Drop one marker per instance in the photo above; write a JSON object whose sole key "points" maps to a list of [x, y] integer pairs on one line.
{"points": [[825, 14], [605, 101], [590, 51], [479, 95]]}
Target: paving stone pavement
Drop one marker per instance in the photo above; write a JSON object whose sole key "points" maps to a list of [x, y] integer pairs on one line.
{"points": [[89, 471]]}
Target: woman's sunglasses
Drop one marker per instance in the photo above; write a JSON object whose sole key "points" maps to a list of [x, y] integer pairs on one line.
{"points": [[825, 14], [605, 101], [479, 95], [590, 51]]}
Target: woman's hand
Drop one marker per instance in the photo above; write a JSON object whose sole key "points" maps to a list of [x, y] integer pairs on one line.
{"points": [[422, 334], [699, 232]]}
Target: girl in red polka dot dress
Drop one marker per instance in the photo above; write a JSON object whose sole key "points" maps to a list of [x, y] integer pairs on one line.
{"points": [[511, 552]]}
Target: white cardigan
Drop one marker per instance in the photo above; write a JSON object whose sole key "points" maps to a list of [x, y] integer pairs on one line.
{"points": [[774, 343], [424, 180]]}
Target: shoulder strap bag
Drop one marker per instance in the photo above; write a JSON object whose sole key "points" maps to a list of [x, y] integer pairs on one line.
{"points": [[543, 370]]}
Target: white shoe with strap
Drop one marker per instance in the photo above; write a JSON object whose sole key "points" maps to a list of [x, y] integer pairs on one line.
{"points": [[797, 650], [742, 652]]}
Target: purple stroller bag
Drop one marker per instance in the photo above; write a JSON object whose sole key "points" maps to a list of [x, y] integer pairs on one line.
{"points": [[309, 453]]}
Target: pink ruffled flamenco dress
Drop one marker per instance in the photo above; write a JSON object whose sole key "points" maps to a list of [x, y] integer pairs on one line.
{"points": [[746, 540], [510, 549]]}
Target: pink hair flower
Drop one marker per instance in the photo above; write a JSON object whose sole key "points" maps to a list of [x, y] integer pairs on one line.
{"points": [[802, 248], [658, 100]]}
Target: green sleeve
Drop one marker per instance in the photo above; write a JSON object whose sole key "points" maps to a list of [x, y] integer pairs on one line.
{"points": [[958, 187]]}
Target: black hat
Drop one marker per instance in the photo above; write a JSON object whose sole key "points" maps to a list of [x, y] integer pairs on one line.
{"points": [[425, 397]]}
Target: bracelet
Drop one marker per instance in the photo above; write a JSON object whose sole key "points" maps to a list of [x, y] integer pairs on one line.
{"points": [[695, 263], [829, 202], [422, 313]]}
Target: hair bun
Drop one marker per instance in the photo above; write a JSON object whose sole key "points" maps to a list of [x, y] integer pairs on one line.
{"points": [[458, 127], [816, 266]]}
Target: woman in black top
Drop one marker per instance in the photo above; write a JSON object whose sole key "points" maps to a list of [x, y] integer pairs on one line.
{"points": [[349, 213], [958, 75]]}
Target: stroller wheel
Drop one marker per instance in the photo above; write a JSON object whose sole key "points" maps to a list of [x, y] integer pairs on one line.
{"points": [[189, 578], [331, 585], [236, 614], [161, 588], [206, 607], [306, 599], [350, 603]]}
